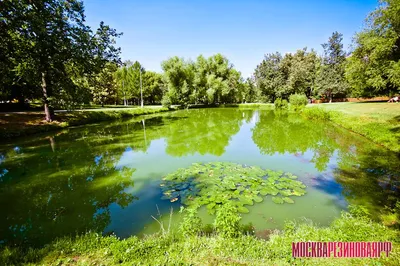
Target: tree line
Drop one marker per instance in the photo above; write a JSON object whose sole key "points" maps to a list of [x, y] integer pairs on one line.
{"points": [[47, 51], [370, 68]]}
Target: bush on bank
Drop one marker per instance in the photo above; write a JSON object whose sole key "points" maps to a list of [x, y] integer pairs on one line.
{"points": [[298, 101], [281, 104]]}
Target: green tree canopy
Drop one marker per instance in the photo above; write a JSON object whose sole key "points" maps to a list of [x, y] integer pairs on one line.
{"points": [[331, 77], [373, 68], [279, 76], [207, 81], [51, 47]]}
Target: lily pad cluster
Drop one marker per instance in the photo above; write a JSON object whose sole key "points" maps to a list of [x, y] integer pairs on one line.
{"points": [[216, 183]]}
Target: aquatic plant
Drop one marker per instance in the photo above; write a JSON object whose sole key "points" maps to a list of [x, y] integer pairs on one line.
{"points": [[217, 183]]}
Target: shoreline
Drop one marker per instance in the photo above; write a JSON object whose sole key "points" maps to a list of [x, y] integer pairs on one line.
{"points": [[383, 132]]}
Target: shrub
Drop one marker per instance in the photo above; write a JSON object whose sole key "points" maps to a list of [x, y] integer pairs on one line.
{"points": [[281, 104], [227, 220], [316, 113], [298, 101], [166, 101], [191, 224]]}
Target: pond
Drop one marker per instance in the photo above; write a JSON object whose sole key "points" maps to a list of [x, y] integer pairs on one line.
{"points": [[108, 177]]}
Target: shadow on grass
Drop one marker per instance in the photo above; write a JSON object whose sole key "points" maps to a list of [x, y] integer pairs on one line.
{"points": [[395, 129]]}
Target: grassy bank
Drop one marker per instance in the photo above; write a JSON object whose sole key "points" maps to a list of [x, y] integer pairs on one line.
{"points": [[268, 106], [18, 124], [27, 123], [379, 122], [175, 249]]}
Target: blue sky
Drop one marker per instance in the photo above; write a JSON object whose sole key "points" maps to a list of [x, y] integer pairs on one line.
{"points": [[241, 30]]}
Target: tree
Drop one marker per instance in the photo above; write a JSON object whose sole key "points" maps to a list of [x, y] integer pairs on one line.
{"points": [[250, 92], [137, 71], [374, 65], [128, 80], [269, 76], [123, 83], [51, 39], [179, 76], [331, 79], [104, 85], [153, 87], [209, 80], [199, 93], [219, 71], [278, 77], [302, 72]]}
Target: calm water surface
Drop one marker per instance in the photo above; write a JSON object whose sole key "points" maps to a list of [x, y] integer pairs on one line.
{"points": [[106, 177]]}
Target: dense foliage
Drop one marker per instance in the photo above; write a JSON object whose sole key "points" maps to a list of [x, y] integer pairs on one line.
{"points": [[281, 104], [370, 68], [47, 51], [298, 101], [210, 80], [279, 77], [373, 68]]}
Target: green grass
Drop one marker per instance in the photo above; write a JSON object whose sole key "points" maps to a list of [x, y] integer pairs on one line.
{"points": [[175, 249], [379, 122], [381, 110], [27, 123]]}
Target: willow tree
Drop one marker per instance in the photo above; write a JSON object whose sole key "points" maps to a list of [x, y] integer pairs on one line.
{"points": [[179, 76]]}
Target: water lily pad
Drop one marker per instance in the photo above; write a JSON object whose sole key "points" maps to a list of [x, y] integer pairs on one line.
{"points": [[217, 183], [269, 190], [288, 200], [285, 192], [277, 200], [258, 199], [243, 210]]}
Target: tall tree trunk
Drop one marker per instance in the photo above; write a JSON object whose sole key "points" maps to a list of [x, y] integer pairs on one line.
{"points": [[47, 112]]}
